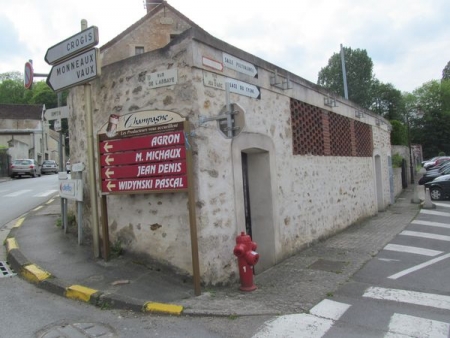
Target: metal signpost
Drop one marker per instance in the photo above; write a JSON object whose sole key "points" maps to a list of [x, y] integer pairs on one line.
{"points": [[75, 62]]}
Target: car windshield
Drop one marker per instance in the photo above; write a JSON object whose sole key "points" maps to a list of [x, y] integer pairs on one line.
{"points": [[22, 162], [48, 162]]}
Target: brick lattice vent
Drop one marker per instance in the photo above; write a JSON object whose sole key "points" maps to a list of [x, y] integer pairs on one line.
{"points": [[316, 131]]}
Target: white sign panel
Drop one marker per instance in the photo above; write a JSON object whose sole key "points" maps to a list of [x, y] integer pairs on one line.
{"points": [[71, 189], [77, 167], [57, 113], [239, 65], [75, 71], [57, 125], [212, 63], [77, 43], [165, 78], [236, 86]]}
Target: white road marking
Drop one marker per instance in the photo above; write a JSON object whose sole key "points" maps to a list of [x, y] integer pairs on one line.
{"points": [[17, 193], [329, 309], [314, 325], [412, 249], [418, 267], [416, 327], [432, 224], [425, 235], [388, 260], [409, 297], [46, 193], [445, 205], [435, 213]]}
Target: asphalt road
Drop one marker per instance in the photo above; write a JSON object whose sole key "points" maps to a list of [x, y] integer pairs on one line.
{"points": [[402, 292]]}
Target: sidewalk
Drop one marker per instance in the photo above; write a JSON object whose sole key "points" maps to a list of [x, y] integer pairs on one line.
{"points": [[42, 253]]}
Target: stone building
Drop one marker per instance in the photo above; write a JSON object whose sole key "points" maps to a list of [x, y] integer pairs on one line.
{"points": [[305, 164], [21, 130]]}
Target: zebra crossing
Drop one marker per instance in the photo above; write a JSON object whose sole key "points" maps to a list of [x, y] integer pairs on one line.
{"points": [[26, 192], [326, 318]]}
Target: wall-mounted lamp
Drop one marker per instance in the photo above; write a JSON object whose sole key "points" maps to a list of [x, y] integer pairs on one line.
{"points": [[329, 101], [279, 82]]}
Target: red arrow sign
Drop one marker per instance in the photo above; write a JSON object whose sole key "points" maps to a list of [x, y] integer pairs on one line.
{"points": [[143, 156], [145, 170], [145, 184], [143, 142]]}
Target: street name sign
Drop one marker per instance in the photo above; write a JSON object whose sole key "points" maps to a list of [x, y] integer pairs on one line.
{"points": [[242, 88], [57, 113], [75, 44], [75, 71], [239, 65]]}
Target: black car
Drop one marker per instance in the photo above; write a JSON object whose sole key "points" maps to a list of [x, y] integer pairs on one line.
{"points": [[431, 175], [439, 187]]}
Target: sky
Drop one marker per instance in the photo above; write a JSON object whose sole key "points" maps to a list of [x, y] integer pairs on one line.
{"points": [[407, 40]]}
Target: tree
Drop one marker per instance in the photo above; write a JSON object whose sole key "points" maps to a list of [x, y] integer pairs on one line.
{"points": [[387, 101], [359, 71], [446, 72], [399, 135], [429, 110]]}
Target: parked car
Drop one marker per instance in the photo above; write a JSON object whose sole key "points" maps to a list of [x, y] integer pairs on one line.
{"points": [[434, 162], [68, 166], [440, 167], [429, 162], [431, 175], [23, 167], [439, 187], [49, 167]]}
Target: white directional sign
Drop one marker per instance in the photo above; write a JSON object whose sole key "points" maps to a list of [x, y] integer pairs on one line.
{"points": [[75, 71], [57, 113], [75, 44], [239, 65], [236, 86]]}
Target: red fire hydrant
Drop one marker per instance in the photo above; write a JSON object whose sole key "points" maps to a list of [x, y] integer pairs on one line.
{"points": [[247, 258]]}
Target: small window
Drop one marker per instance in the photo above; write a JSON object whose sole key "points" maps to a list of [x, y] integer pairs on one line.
{"points": [[138, 50]]}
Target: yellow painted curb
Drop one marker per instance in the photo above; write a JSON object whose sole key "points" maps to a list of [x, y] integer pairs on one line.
{"points": [[163, 308], [37, 208], [34, 274], [19, 222], [80, 292], [11, 243]]}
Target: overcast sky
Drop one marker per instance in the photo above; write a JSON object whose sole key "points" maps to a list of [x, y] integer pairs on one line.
{"points": [[407, 40]]}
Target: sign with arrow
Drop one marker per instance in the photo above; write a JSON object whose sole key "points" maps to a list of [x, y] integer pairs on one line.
{"points": [[71, 46], [75, 71], [144, 159]]}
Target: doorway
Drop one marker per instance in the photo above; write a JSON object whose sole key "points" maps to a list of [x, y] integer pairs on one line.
{"points": [[258, 210]]}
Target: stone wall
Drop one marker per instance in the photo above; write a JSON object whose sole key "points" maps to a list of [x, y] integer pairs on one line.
{"points": [[300, 198]]}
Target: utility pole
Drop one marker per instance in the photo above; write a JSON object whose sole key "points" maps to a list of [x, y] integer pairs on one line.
{"points": [[344, 73]]}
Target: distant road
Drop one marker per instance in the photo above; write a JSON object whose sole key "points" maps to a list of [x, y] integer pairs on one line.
{"points": [[19, 196]]}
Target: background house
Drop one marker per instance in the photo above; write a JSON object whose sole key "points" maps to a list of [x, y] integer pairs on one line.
{"points": [[25, 134]]}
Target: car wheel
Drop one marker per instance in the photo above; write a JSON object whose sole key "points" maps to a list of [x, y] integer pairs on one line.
{"points": [[435, 194], [33, 174]]}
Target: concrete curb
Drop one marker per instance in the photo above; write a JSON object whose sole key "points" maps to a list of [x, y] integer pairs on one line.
{"points": [[46, 281]]}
